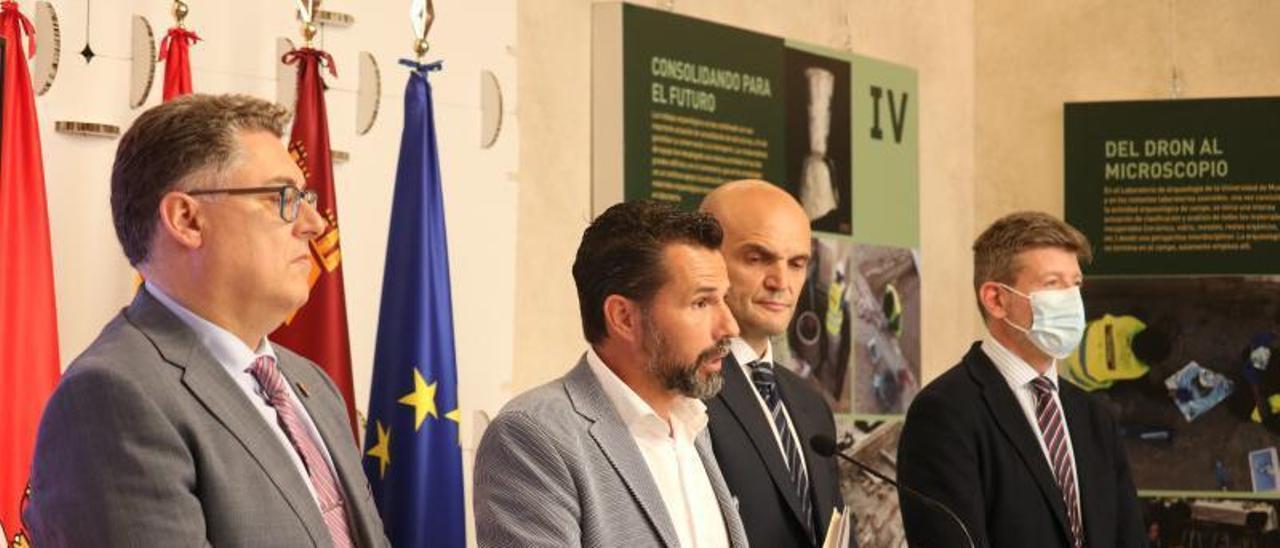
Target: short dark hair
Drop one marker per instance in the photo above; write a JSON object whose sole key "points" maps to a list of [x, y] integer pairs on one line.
{"points": [[169, 147], [621, 254]]}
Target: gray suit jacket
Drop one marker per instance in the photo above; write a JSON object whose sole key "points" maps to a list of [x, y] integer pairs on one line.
{"points": [[147, 441], [557, 467]]}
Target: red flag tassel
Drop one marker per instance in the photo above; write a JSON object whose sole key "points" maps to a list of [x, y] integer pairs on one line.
{"points": [[175, 51], [29, 365]]}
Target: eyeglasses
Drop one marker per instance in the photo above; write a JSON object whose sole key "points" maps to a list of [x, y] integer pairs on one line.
{"points": [[290, 197]]}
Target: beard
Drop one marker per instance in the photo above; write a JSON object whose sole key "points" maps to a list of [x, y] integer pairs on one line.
{"points": [[679, 376]]}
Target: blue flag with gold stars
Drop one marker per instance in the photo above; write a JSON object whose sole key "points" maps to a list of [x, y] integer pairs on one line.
{"points": [[412, 456]]}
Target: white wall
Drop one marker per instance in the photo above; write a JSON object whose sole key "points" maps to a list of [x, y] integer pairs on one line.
{"points": [[237, 54], [1033, 57]]}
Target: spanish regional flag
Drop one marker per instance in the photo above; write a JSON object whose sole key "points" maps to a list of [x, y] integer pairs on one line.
{"points": [[318, 330], [28, 321]]}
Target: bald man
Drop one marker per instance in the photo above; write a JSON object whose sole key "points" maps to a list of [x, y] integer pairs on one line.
{"points": [[763, 417]]}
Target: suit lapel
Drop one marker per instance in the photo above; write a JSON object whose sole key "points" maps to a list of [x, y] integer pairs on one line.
{"points": [[738, 395], [1076, 408], [615, 441], [1008, 414], [336, 435], [728, 508], [218, 392]]}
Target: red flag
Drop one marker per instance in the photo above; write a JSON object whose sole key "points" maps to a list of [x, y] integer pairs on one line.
{"points": [[28, 320], [175, 51], [318, 330]]}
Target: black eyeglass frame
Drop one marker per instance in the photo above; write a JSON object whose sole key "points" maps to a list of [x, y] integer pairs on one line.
{"points": [[289, 194]]}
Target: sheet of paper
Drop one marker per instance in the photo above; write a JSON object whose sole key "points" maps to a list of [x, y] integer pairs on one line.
{"points": [[833, 530]]}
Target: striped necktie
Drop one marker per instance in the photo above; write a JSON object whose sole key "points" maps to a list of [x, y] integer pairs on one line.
{"points": [[762, 375], [1053, 430], [328, 493]]}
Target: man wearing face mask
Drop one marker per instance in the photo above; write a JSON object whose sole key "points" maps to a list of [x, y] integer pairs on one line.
{"points": [[1021, 458]]}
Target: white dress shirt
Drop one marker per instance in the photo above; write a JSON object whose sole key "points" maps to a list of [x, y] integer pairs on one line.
{"points": [[235, 357], [745, 355], [672, 458], [1019, 374]]}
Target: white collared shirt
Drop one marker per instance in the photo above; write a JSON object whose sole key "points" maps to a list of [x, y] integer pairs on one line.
{"points": [[1019, 374], [672, 458], [745, 355], [235, 357]]}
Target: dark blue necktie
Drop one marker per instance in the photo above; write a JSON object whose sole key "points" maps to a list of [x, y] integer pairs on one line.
{"points": [[766, 382]]}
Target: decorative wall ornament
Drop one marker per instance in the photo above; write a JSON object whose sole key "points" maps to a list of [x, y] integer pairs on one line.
{"points": [[142, 66], [490, 109], [87, 129], [368, 93], [87, 52], [49, 41], [333, 18]]}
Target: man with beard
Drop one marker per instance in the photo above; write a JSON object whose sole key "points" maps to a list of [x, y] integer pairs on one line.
{"points": [[616, 453], [761, 422]]}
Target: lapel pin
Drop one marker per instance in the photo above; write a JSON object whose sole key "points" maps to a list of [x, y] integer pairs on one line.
{"points": [[303, 389]]}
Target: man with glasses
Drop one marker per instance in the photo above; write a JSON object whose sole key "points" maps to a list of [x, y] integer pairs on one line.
{"points": [[182, 425]]}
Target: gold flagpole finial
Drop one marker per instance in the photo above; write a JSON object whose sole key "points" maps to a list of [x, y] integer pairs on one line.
{"points": [[180, 11], [309, 31], [422, 13], [307, 11]]}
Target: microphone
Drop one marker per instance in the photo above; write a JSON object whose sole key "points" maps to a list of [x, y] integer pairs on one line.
{"points": [[826, 446]]}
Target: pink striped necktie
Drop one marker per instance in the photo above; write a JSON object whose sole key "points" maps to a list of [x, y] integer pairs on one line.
{"points": [[328, 493], [1053, 430]]}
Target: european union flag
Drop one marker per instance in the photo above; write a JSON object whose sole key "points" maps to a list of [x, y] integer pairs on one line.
{"points": [[412, 455]]}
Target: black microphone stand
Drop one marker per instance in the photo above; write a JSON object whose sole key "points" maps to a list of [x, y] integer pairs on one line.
{"points": [[827, 447]]}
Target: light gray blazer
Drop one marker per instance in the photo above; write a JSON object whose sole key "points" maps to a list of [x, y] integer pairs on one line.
{"points": [[147, 441], [557, 467]]}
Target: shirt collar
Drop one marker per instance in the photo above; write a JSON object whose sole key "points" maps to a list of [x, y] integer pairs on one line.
{"points": [[226, 348], [1016, 371], [745, 355], [637, 414]]}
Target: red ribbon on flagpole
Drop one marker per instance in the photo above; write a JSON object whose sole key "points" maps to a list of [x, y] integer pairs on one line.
{"points": [[10, 8], [322, 57], [175, 35], [175, 52]]}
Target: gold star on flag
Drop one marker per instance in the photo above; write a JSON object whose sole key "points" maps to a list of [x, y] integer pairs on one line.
{"points": [[382, 451], [422, 399], [455, 416]]}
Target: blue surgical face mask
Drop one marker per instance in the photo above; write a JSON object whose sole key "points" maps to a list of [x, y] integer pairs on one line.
{"points": [[1057, 320]]}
